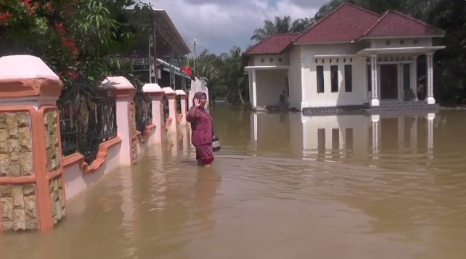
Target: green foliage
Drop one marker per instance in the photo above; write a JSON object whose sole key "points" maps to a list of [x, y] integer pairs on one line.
{"points": [[224, 73], [73, 36], [281, 25]]}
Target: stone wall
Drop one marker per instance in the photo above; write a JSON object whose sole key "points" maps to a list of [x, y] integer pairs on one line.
{"points": [[132, 116], [57, 199], [15, 144], [52, 140], [18, 206]]}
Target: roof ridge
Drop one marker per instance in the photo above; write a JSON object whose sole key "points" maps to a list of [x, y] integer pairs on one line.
{"points": [[376, 23], [362, 9], [330, 14], [416, 20]]}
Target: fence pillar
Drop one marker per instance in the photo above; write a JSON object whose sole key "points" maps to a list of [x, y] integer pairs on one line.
{"points": [[124, 93], [32, 195], [170, 93], [183, 99], [156, 94]]}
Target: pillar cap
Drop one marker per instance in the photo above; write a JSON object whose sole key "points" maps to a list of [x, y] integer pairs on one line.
{"points": [[180, 92], [26, 76], [121, 86], [153, 89], [169, 91], [117, 82]]}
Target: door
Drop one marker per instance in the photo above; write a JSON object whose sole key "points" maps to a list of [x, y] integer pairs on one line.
{"points": [[389, 82]]}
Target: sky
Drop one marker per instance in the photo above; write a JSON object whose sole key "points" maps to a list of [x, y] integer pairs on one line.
{"points": [[217, 25]]}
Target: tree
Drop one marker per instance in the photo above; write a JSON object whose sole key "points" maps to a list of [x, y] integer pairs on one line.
{"points": [[71, 35], [224, 74], [281, 25]]}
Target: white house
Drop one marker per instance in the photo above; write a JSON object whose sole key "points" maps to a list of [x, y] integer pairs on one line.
{"points": [[351, 57]]}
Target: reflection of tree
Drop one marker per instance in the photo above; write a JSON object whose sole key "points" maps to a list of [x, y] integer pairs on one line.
{"points": [[204, 194]]}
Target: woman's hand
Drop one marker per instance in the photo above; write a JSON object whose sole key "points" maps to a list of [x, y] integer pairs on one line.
{"points": [[197, 102]]}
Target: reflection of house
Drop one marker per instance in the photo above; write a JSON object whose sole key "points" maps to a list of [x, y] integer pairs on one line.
{"points": [[350, 57], [342, 136], [170, 51]]}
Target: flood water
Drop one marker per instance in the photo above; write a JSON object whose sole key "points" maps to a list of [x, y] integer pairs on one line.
{"points": [[283, 186]]}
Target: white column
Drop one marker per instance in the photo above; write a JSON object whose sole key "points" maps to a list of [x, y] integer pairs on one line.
{"points": [[430, 134], [430, 78], [413, 74], [375, 136], [254, 93], [413, 136], [375, 95]]}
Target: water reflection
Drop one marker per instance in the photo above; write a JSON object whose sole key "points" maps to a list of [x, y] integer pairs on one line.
{"points": [[345, 138], [283, 186]]}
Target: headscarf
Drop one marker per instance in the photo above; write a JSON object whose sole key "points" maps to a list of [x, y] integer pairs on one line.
{"points": [[199, 95]]}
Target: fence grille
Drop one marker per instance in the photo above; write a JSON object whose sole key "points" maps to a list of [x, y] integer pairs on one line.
{"points": [[87, 118], [143, 110]]}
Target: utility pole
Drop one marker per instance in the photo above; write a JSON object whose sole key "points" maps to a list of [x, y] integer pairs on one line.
{"points": [[195, 56]]}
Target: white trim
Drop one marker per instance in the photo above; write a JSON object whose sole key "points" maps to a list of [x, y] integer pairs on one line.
{"points": [[413, 50], [322, 43], [402, 37], [335, 56], [251, 68]]}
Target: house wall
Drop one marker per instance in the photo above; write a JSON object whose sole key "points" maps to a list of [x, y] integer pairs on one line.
{"points": [[294, 78], [270, 84], [271, 60], [401, 42], [311, 98]]}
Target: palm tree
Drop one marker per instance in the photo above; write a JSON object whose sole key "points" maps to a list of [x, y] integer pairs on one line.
{"points": [[281, 25]]}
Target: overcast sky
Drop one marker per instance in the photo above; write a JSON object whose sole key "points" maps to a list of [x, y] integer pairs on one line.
{"points": [[220, 24]]}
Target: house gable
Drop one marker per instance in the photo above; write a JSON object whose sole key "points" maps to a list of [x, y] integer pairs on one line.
{"points": [[395, 24], [345, 24]]}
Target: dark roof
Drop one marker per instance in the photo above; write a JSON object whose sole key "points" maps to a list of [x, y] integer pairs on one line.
{"points": [[393, 23], [345, 24], [274, 44]]}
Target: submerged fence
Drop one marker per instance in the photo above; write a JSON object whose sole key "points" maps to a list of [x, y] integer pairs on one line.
{"points": [[87, 118]]}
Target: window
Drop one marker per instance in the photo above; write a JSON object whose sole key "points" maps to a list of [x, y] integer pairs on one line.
{"points": [[369, 78], [334, 77], [320, 79], [348, 78]]}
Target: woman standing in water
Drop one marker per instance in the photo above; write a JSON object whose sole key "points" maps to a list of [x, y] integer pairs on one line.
{"points": [[201, 125]]}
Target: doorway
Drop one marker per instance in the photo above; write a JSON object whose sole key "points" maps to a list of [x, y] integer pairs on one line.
{"points": [[389, 82]]}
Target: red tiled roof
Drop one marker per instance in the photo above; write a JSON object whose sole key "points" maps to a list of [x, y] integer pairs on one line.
{"points": [[346, 23], [274, 44], [393, 23]]}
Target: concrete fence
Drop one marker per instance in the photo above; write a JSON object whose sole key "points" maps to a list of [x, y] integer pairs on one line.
{"points": [[36, 179]]}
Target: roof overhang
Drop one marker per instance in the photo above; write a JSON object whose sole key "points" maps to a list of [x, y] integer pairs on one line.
{"points": [[401, 37], [335, 56], [405, 50], [167, 29], [322, 43], [167, 67], [251, 68]]}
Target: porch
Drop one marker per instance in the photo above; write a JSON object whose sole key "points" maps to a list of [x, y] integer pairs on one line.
{"points": [[392, 75], [269, 86]]}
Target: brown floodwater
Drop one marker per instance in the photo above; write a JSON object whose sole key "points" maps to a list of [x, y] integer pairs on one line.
{"points": [[283, 186]]}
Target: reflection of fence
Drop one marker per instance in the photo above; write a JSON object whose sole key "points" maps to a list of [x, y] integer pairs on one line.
{"points": [[143, 110], [165, 108], [87, 118], [178, 104]]}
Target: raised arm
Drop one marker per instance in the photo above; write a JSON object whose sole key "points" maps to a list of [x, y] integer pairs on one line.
{"points": [[191, 115]]}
